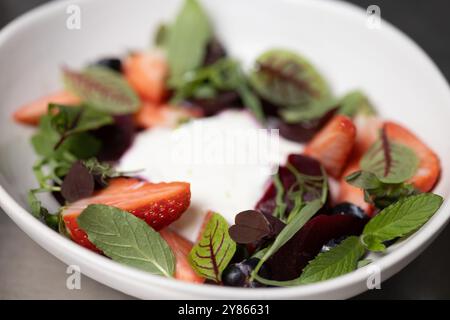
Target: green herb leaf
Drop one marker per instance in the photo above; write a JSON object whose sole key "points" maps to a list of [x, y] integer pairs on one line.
{"points": [[40, 212], [288, 80], [391, 162], [312, 111], [399, 219], [354, 103], [297, 222], [210, 256], [338, 261], [102, 89], [187, 41], [379, 193], [127, 239]]}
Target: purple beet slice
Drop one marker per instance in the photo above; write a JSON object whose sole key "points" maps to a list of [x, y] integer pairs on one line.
{"points": [[116, 138], [288, 262]]}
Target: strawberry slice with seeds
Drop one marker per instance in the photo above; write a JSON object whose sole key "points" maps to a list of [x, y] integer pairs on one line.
{"points": [[158, 204], [147, 72], [151, 115], [32, 112], [333, 144], [429, 168], [181, 248]]}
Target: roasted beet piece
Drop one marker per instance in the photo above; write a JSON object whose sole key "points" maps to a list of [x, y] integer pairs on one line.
{"points": [[288, 262], [214, 52], [222, 101], [116, 138], [302, 131], [305, 165]]}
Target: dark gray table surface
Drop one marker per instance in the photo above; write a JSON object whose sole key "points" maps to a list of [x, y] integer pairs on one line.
{"points": [[29, 272]]}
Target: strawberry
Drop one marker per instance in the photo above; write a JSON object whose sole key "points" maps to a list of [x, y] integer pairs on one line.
{"points": [[367, 133], [31, 112], [147, 72], [158, 204], [333, 144], [181, 248], [429, 169], [152, 115], [204, 224]]}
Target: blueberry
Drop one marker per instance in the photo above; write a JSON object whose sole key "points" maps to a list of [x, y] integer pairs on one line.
{"points": [[347, 208], [114, 64], [331, 244], [238, 274]]}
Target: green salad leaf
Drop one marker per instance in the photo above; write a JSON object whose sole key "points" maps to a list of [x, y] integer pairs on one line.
{"points": [[391, 162], [102, 89], [127, 239], [210, 256], [354, 103], [186, 41], [288, 80], [400, 219]]}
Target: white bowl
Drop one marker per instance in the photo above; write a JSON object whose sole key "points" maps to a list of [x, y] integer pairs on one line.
{"points": [[400, 79]]}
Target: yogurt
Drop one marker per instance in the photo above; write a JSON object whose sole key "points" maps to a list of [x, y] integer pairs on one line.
{"points": [[228, 159]]}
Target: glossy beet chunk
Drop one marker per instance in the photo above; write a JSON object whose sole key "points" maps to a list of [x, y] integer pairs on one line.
{"points": [[305, 165], [116, 138], [288, 262], [347, 208]]}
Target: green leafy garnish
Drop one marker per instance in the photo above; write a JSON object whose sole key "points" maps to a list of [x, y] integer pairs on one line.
{"points": [[102, 89], [354, 103], [186, 41], [299, 220], [400, 219], [127, 239], [40, 212], [377, 192], [288, 80], [312, 111], [224, 75], [340, 260], [210, 256], [391, 162]]}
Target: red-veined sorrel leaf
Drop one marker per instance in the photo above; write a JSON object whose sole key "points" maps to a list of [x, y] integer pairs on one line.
{"points": [[210, 256], [391, 162], [102, 89], [288, 80]]}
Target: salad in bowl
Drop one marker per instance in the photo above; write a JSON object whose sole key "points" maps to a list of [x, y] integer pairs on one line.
{"points": [[348, 182]]}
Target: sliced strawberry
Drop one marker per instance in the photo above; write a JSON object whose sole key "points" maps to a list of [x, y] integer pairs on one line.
{"points": [[333, 144], [152, 115], [158, 204], [181, 248], [367, 128], [429, 169], [204, 224], [31, 112], [147, 72]]}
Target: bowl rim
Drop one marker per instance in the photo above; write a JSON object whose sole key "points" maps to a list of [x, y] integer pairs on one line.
{"points": [[56, 242]]}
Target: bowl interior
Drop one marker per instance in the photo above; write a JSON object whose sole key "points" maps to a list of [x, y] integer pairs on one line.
{"points": [[395, 74]]}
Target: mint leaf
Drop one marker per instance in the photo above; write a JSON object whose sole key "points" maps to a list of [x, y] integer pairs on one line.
{"points": [[399, 219], [338, 261], [354, 103], [288, 80], [102, 89], [186, 40], [364, 180], [210, 256], [297, 222], [391, 162], [127, 239]]}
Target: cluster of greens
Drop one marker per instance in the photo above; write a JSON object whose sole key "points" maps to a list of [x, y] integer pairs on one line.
{"points": [[65, 140]]}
